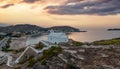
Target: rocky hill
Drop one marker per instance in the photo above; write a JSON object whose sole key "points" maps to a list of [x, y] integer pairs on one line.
{"points": [[29, 28], [114, 29], [21, 28], [65, 28]]}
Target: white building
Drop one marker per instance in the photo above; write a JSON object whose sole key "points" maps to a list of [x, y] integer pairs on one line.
{"points": [[57, 37]]}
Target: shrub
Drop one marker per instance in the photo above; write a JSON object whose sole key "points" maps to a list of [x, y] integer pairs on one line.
{"points": [[69, 66], [17, 68], [43, 62], [39, 46], [76, 43], [31, 62], [20, 50], [53, 51]]}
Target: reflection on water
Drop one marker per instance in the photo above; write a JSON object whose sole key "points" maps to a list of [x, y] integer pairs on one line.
{"points": [[35, 40], [94, 35], [81, 36]]}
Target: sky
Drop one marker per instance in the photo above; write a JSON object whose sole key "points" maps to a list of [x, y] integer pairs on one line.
{"points": [[76, 13]]}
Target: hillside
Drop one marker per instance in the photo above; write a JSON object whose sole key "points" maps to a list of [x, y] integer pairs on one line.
{"points": [[4, 25], [28, 28], [21, 28], [65, 28]]}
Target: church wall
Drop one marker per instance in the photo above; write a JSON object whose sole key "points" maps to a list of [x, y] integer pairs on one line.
{"points": [[57, 39]]}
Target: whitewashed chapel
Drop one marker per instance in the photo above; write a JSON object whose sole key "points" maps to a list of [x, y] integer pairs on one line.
{"points": [[57, 37]]}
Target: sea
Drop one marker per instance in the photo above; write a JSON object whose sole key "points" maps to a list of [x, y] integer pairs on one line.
{"points": [[89, 36]]}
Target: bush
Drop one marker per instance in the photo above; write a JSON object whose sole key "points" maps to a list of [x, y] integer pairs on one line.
{"points": [[17, 68], [20, 50], [39, 46], [43, 62], [76, 43], [69, 66], [31, 62], [1, 38], [53, 51]]}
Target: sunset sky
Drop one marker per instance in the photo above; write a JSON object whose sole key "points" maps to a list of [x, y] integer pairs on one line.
{"points": [[77, 13]]}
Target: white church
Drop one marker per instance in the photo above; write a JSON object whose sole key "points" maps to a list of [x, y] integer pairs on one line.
{"points": [[57, 37]]}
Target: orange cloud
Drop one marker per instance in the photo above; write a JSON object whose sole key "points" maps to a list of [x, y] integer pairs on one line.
{"points": [[33, 3]]}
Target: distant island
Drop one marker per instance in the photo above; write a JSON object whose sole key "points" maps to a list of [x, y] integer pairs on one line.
{"points": [[114, 29], [23, 28], [64, 28]]}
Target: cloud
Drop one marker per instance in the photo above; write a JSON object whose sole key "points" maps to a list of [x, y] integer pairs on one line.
{"points": [[30, 1], [33, 3], [7, 5], [77, 7], [12, 2]]}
